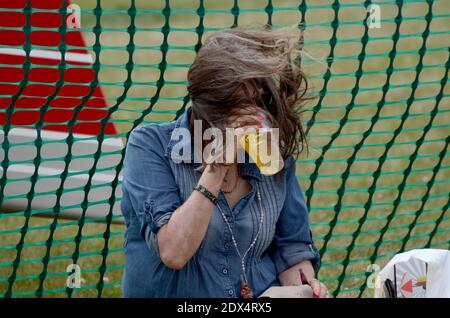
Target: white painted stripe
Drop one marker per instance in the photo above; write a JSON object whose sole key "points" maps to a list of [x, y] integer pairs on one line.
{"points": [[43, 201], [50, 171], [20, 170], [112, 143], [51, 55]]}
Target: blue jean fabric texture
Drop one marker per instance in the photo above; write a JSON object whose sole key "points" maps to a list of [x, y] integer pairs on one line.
{"points": [[155, 184]]}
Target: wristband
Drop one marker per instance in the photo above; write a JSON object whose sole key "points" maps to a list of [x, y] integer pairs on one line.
{"points": [[206, 193]]}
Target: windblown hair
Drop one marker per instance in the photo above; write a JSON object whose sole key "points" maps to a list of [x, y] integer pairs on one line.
{"points": [[262, 62]]}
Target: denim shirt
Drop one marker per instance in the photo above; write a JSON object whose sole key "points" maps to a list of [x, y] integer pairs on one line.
{"points": [[154, 186]]}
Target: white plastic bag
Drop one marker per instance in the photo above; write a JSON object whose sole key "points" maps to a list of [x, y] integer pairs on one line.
{"points": [[302, 291], [421, 273]]}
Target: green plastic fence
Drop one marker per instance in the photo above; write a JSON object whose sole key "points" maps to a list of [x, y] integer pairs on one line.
{"points": [[377, 178]]}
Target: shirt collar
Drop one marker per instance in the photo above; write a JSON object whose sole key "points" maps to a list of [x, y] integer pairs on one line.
{"points": [[248, 168]]}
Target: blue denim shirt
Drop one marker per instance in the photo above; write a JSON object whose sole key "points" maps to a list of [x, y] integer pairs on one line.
{"points": [[154, 186]]}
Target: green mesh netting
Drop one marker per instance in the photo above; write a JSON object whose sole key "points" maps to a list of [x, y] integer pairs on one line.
{"points": [[377, 178]]}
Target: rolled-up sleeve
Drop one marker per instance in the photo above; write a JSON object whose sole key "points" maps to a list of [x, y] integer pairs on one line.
{"points": [[293, 241], [148, 181]]}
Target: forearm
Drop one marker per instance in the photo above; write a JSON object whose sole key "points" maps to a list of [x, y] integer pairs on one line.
{"points": [[180, 238]]}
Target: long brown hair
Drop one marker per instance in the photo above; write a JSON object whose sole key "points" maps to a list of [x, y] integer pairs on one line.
{"points": [[264, 63]]}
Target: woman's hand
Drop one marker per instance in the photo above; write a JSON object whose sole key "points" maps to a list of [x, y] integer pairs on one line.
{"points": [[243, 121], [247, 118], [319, 289], [292, 277]]}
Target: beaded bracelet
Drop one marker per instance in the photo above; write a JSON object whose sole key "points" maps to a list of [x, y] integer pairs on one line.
{"points": [[206, 193]]}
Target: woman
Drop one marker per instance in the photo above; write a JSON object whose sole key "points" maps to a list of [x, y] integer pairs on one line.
{"points": [[215, 228]]}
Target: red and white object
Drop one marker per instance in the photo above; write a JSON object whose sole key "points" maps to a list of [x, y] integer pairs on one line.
{"points": [[40, 85], [420, 273]]}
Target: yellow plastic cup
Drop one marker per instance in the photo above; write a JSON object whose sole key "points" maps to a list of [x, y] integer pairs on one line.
{"points": [[265, 154]]}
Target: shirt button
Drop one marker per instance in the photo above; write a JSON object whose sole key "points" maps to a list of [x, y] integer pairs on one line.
{"points": [[227, 245], [230, 292], [224, 271]]}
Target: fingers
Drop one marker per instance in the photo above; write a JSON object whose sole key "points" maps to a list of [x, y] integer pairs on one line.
{"points": [[315, 285], [247, 120], [217, 155], [319, 289], [249, 110], [323, 291], [245, 130]]}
